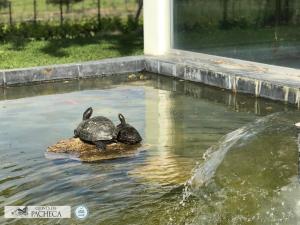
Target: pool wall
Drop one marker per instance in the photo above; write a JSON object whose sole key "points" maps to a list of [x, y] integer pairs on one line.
{"points": [[261, 80], [72, 71]]}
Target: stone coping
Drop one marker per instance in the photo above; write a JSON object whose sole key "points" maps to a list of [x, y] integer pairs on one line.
{"points": [[261, 80], [104, 67]]}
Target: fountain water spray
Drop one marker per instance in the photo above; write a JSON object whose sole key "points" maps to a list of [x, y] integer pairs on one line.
{"points": [[213, 157]]}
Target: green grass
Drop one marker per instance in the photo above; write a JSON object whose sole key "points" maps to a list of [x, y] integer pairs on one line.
{"points": [[22, 53]]}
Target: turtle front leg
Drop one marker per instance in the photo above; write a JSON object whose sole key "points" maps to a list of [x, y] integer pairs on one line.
{"points": [[101, 146]]}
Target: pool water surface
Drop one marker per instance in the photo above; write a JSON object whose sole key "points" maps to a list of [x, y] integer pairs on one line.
{"points": [[247, 148]]}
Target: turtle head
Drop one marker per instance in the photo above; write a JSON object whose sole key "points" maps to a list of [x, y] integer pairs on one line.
{"points": [[87, 113], [122, 119]]}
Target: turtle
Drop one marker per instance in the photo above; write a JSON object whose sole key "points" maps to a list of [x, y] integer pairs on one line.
{"points": [[126, 133], [97, 130]]}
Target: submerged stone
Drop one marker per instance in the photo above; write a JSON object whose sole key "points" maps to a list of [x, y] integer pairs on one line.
{"points": [[132, 77], [89, 153]]}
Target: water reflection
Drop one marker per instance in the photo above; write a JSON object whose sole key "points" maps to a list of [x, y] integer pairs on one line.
{"points": [[163, 167], [262, 31]]}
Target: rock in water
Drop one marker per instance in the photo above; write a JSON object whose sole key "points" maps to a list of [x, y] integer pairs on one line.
{"points": [[89, 153], [132, 77]]}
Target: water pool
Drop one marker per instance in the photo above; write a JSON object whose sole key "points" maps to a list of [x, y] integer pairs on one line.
{"points": [[249, 144]]}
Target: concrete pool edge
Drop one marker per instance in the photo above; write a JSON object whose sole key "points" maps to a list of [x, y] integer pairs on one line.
{"points": [[105, 67], [261, 80]]}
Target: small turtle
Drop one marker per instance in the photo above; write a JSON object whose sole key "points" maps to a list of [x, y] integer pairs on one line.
{"points": [[98, 130], [127, 134]]}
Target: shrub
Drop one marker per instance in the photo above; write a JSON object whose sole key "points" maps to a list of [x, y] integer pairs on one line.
{"points": [[69, 29]]}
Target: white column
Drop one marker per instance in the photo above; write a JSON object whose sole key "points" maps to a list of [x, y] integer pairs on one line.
{"points": [[157, 26]]}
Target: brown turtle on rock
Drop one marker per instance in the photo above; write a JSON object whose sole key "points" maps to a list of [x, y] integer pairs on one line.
{"points": [[126, 133], [97, 130]]}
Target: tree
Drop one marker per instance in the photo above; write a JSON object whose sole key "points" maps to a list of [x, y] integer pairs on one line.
{"points": [[288, 10], [225, 11], [61, 3], [4, 4], [7, 4], [67, 3], [278, 12], [139, 10], [34, 11], [99, 12]]}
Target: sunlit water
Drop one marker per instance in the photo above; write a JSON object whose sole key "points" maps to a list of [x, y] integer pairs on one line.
{"points": [[209, 157]]}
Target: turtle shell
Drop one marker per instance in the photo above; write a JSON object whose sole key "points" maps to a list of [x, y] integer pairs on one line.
{"points": [[98, 128]]}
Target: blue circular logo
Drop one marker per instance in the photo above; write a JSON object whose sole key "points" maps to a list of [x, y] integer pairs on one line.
{"points": [[81, 212]]}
